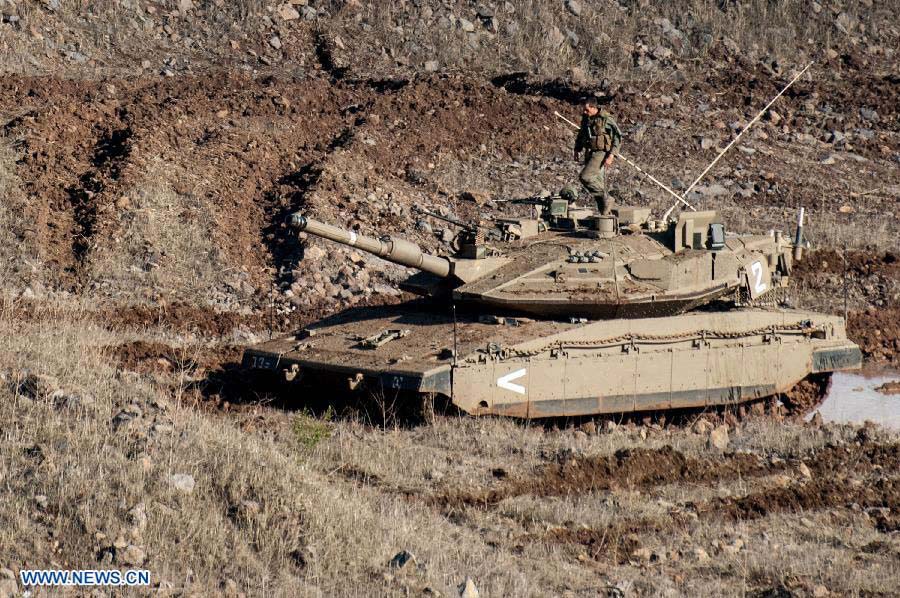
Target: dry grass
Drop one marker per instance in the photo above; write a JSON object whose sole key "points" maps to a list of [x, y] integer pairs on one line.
{"points": [[288, 504], [93, 473]]}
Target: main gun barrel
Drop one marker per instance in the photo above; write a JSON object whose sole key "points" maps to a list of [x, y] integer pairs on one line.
{"points": [[392, 249]]}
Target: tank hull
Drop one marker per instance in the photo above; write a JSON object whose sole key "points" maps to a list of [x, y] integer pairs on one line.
{"points": [[539, 368]]}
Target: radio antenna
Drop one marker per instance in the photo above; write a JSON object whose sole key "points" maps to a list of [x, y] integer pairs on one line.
{"points": [[733, 141]]}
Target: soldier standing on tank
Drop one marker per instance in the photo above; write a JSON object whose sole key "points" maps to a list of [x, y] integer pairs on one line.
{"points": [[599, 137]]}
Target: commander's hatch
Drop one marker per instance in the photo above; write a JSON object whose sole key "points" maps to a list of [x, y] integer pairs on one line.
{"points": [[698, 230]]}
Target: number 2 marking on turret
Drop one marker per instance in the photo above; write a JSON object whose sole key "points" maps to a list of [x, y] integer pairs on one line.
{"points": [[758, 286]]}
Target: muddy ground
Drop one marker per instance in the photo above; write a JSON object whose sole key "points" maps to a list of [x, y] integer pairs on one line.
{"points": [[150, 153]]}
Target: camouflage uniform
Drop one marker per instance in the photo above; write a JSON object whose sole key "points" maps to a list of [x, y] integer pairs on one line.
{"points": [[598, 137]]}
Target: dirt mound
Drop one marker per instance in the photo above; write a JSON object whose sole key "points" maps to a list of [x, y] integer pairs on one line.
{"points": [[856, 262], [143, 356], [633, 468], [878, 333], [806, 395], [817, 495], [838, 480]]}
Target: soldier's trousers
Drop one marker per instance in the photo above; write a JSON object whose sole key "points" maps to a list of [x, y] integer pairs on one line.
{"points": [[593, 177]]}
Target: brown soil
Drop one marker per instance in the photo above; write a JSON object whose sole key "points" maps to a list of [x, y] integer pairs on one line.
{"points": [[838, 480], [858, 263], [142, 356], [266, 138], [877, 331], [633, 468], [643, 468], [889, 388], [806, 395], [816, 495]]}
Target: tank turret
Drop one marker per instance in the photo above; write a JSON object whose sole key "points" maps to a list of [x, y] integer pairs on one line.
{"points": [[578, 264]]}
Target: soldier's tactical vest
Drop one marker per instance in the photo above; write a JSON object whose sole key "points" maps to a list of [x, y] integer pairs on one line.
{"points": [[601, 140]]}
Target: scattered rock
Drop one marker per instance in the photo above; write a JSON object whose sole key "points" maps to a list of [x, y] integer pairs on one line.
{"points": [[137, 516], [467, 589], [637, 135], [466, 25], [731, 46], [275, 42], [804, 471], [661, 53], [401, 559], [313, 253], [183, 482], [8, 588], [718, 438], [574, 7], [892, 387], [478, 197], [431, 66], [288, 13], [844, 22], [642, 554], [868, 114], [710, 191], [38, 386], [133, 555], [702, 426], [72, 400], [733, 548]]}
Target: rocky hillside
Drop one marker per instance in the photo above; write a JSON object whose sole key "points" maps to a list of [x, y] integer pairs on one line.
{"points": [[150, 152]]}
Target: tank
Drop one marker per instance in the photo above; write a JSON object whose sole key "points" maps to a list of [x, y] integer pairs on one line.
{"points": [[572, 313]]}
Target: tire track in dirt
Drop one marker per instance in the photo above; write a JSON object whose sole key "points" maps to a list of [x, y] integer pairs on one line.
{"points": [[840, 478], [843, 477], [627, 468], [647, 468]]}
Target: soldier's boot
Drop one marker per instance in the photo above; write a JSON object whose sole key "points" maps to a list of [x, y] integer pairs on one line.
{"points": [[606, 202]]}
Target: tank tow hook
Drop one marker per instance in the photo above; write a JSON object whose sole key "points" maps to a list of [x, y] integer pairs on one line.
{"points": [[291, 373]]}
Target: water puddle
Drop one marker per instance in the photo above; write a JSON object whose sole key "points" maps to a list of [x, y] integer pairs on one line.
{"points": [[852, 399]]}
